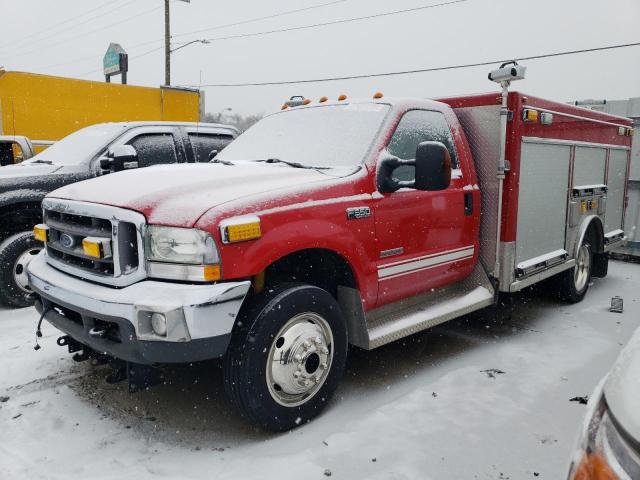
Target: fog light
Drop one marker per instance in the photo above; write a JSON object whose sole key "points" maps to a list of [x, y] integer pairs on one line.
{"points": [[159, 324]]}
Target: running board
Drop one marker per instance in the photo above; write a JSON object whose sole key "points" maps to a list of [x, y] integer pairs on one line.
{"points": [[401, 319]]}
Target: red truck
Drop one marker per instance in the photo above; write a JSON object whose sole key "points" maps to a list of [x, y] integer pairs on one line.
{"points": [[328, 224]]}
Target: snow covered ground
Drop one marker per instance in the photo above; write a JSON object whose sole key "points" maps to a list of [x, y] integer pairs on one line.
{"points": [[483, 397]]}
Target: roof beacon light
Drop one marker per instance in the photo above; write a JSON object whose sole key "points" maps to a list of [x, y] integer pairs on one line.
{"points": [[377, 95], [323, 99], [342, 97], [296, 101]]}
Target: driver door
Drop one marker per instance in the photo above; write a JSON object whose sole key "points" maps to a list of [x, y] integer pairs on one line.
{"points": [[421, 236]]}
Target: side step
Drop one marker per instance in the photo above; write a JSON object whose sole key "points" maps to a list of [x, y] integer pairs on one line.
{"points": [[398, 320]]}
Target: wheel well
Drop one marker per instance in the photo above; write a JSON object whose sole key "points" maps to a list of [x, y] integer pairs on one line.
{"points": [[316, 266], [19, 217], [595, 232]]}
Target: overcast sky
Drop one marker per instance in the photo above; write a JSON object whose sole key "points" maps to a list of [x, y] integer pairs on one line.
{"points": [[45, 36]]}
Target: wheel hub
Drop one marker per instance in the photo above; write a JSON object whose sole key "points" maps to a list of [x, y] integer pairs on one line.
{"points": [[582, 268], [299, 359], [20, 269]]}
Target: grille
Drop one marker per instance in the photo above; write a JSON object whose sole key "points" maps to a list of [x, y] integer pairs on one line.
{"points": [[68, 227]]}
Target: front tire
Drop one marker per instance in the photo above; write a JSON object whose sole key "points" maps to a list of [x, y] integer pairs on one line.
{"points": [[286, 356], [16, 252]]}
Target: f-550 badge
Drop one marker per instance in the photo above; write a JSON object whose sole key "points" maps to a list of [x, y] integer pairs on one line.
{"points": [[355, 213]]}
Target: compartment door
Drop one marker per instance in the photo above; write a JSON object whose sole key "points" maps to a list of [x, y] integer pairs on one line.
{"points": [[589, 166], [542, 202], [616, 177]]}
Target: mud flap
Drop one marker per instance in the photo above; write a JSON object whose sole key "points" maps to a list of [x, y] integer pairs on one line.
{"points": [[600, 265], [142, 377], [139, 377]]}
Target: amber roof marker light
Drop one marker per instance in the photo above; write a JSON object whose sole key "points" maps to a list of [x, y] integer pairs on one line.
{"points": [[378, 95], [342, 97]]}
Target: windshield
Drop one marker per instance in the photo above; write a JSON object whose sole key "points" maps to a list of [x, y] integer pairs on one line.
{"points": [[80, 146], [323, 136]]}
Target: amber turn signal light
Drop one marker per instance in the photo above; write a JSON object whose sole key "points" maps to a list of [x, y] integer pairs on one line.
{"points": [[41, 232]]}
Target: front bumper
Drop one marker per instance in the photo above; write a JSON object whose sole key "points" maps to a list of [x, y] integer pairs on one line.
{"points": [[200, 317]]}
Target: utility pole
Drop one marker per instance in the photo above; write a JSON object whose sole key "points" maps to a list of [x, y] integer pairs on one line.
{"points": [[167, 44]]}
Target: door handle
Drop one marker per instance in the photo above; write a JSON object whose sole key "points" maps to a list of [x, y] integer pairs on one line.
{"points": [[468, 203]]}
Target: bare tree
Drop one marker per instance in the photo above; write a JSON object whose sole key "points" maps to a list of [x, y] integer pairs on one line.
{"points": [[241, 122]]}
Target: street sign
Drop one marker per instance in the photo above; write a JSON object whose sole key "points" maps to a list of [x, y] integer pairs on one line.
{"points": [[115, 62]]}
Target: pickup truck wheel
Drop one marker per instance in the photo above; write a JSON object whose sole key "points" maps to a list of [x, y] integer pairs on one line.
{"points": [[287, 356], [574, 283], [16, 252]]}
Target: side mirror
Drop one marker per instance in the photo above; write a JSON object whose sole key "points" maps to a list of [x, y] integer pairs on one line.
{"points": [[120, 157], [213, 154], [433, 167]]}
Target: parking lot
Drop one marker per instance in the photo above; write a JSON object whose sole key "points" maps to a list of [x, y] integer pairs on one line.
{"points": [[486, 396]]}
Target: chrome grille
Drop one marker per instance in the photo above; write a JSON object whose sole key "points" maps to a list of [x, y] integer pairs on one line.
{"points": [[66, 232], [70, 222]]}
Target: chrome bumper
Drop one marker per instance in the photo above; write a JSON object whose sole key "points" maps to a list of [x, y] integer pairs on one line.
{"points": [[195, 314]]}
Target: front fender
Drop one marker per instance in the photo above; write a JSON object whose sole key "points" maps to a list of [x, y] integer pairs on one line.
{"points": [[324, 228], [23, 195]]}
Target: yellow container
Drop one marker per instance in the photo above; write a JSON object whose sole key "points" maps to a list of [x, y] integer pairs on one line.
{"points": [[46, 109]]}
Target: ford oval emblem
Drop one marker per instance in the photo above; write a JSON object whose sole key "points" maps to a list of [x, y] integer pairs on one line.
{"points": [[67, 241]]}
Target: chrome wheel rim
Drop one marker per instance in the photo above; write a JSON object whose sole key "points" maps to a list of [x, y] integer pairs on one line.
{"points": [[20, 269], [299, 359], [583, 268]]}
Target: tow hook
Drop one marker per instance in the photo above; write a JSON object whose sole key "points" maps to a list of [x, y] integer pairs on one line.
{"points": [[70, 343]]}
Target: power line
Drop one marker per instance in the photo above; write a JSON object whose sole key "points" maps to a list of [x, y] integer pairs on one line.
{"points": [[21, 44], [55, 25], [266, 17], [217, 27], [95, 30], [144, 54], [337, 22], [421, 70]]}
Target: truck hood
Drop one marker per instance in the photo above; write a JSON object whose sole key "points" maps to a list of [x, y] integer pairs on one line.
{"points": [[179, 195], [622, 388], [27, 170]]}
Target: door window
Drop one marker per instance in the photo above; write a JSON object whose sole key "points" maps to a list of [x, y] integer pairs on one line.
{"points": [[415, 127], [154, 148], [203, 144]]}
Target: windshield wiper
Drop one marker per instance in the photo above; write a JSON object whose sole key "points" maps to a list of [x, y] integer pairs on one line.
{"points": [[223, 162], [292, 164], [48, 162]]}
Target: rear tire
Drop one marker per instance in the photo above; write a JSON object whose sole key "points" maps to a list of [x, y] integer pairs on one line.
{"points": [[573, 284], [16, 252], [286, 356]]}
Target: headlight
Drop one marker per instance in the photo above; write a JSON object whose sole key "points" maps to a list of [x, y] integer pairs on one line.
{"points": [[181, 254], [603, 452]]}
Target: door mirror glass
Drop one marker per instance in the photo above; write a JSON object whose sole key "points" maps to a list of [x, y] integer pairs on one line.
{"points": [[433, 166], [120, 157]]}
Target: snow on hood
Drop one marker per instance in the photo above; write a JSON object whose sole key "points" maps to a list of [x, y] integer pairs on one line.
{"points": [[27, 170], [622, 389], [179, 195]]}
